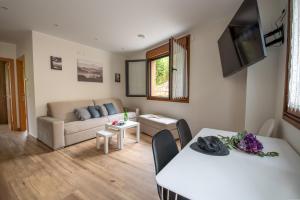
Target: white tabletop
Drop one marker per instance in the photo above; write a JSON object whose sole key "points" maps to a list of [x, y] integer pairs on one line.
{"points": [[128, 124], [238, 176]]}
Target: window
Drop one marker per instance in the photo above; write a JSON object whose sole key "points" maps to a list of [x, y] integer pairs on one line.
{"points": [[292, 88], [136, 78], [168, 71], [160, 77]]}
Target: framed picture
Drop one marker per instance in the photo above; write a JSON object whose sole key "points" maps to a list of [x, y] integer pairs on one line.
{"points": [[88, 71], [117, 77], [56, 63]]}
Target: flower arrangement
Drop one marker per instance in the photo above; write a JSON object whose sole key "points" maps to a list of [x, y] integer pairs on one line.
{"points": [[246, 142]]}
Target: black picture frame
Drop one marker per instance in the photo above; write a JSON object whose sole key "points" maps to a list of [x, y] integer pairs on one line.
{"points": [[56, 63], [117, 77], [127, 66]]}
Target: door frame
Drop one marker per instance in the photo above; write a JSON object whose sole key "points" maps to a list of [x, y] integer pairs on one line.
{"points": [[20, 65], [12, 80]]}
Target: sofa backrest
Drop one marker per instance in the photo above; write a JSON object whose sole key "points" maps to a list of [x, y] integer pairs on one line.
{"points": [[64, 110], [116, 102]]}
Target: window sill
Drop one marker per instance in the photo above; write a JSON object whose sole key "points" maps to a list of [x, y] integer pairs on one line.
{"points": [[293, 120], [168, 100]]}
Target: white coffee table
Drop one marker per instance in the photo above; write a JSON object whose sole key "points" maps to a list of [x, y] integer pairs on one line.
{"points": [[122, 131]]}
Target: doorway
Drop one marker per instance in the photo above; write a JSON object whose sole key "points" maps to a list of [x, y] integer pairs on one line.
{"points": [[22, 107], [8, 111], [3, 94]]}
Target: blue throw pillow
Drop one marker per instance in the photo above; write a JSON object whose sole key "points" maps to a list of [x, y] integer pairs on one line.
{"points": [[94, 112], [110, 108], [82, 114]]}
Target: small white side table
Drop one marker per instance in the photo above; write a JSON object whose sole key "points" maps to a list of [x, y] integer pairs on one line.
{"points": [[107, 137]]}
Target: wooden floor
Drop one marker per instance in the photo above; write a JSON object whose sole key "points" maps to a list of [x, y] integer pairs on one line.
{"points": [[30, 170]]}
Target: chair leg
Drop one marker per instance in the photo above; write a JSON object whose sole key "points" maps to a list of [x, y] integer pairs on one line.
{"points": [[168, 195]]}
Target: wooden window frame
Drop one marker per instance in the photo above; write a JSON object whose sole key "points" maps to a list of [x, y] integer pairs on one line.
{"points": [[288, 115], [163, 51], [127, 77], [149, 97]]}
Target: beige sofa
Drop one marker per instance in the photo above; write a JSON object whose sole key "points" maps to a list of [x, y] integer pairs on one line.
{"points": [[61, 128]]}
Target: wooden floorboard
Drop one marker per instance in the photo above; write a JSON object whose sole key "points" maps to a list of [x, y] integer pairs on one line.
{"points": [[29, 170]]}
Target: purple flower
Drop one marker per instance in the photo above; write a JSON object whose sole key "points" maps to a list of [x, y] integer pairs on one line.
{"points": [[250, 144]]}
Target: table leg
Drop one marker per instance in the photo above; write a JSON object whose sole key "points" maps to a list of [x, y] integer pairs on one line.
{"points": [[121, 138], [138, 133], [105, 145], [97, 142], [109, 140]]}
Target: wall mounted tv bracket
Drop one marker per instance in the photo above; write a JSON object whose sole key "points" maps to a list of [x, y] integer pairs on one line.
{"points": [[274, 37]]}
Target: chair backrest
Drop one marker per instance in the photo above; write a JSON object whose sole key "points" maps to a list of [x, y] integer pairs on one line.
{"points": [[164, 149], [267, 128], [184, 132]]}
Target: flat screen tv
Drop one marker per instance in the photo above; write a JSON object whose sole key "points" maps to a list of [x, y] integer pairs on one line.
{"points": [[242, 42]]}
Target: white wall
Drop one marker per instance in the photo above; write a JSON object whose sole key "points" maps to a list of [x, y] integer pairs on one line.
{"points": [[285, 129], [24, 48], [266, 80], [55, 85], [7, 50], [262, 76], [215, 102]]}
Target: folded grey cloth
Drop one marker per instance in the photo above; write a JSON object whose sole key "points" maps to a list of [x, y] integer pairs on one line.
{"points": [[210, 145]]}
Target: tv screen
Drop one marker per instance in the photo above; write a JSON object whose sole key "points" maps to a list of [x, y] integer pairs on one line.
{"points": [[242, 43]]}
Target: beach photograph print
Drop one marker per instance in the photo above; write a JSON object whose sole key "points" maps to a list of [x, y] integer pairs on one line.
{"points": [[56, 63], [89, 71]]}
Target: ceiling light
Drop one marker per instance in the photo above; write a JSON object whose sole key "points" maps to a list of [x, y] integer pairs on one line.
{"points": [[4, 8], [142, 36]]}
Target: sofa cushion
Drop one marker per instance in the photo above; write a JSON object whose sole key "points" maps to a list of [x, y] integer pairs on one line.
{"points": [[117, 103], [120, 116], [78, 126], [94, 111], [82, 114], [64, 110], [110, 108], [102, 110]]}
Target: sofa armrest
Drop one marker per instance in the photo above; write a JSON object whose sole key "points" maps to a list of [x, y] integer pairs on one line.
{"points": [[51, 132], [136, 110]]}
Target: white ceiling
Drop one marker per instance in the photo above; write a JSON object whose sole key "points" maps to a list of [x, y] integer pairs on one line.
{"points": [[116, 23]]}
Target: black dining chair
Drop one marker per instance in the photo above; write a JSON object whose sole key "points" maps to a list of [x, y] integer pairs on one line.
{"points": [[184, 132], [164, 150]]}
